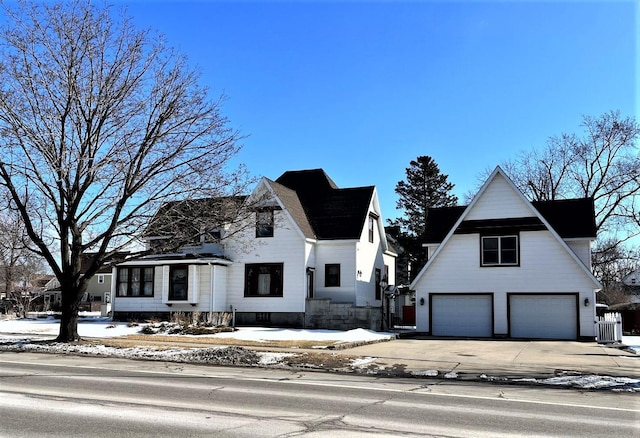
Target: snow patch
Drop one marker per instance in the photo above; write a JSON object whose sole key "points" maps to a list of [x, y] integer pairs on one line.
{"points": [[425, 373], [362, 362]]}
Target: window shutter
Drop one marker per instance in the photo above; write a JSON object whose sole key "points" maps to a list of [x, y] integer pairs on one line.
{"points": [[165, 284]]}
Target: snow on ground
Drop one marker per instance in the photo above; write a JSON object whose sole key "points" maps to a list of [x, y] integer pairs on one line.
{"points": [[96, 327], [633, 342], [88, 326], [23, 334], [277, 334]]}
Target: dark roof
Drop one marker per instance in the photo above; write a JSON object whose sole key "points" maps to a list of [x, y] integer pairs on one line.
{"points": [[307, 182], [87, 259], [439, 222], [570, 218], [332, 213], [321, 209]]}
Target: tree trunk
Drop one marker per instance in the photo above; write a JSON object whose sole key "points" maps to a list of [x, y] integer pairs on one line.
{"points": [[71, 297], [68, 326]]}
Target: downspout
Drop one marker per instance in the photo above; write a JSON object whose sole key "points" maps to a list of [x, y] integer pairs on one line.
{"points": [[211, 287], [355, 277]]}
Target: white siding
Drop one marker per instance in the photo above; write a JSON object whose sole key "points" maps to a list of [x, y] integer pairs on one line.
{"points": [[391, 263], [343, 253], [219, 288], [199, 292], [139, 304], [582, 248], [369, 257], [287, 246], [545, 267], [499, 200]]}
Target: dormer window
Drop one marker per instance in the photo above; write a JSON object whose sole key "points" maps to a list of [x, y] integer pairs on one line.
{"points": [[264, 223], [213, 235]]}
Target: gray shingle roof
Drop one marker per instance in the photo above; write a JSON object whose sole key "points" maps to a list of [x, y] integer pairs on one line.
{"points": [[292, 204]]}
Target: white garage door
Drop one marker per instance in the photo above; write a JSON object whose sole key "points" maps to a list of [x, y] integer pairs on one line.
{"points": [[462, 315], [543, 316]]}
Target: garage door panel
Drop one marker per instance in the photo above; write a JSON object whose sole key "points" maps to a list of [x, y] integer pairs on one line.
{"points": [[544, 316], [462, 315]]}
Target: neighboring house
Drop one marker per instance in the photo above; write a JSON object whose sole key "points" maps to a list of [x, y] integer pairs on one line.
{"points": [[304, 253], [632, 283], [101, 282], [630, 310], [505, 267]]}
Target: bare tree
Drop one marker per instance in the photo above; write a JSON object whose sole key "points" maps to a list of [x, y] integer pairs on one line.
{"points": [[603, 164], [611, 263], [18, 265], [100, 124]]}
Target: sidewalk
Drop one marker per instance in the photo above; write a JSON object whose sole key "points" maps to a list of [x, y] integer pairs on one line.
{"points": [[511, 359]]}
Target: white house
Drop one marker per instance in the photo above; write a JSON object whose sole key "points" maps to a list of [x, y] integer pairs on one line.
{"points": [[505, 267], [306, 254]]}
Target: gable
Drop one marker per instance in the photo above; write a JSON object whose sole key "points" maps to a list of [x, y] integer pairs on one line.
{"points": [[499, 200], [499, 205], [292, 205], [570, 218]]}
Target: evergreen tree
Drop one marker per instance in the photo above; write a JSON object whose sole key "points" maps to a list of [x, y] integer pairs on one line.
{"points": [[424, 187]]}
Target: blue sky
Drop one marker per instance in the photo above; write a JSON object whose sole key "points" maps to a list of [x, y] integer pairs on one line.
{"points": [[361, 88]]}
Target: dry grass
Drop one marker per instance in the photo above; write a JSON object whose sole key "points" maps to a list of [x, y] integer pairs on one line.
{"points": [[131, 341]]}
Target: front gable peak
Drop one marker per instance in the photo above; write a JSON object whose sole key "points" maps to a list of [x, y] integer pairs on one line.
{"points": [[499, 204]]}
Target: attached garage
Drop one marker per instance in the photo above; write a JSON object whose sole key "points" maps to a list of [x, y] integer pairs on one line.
{"points": [[543, 316], [463, 315]]}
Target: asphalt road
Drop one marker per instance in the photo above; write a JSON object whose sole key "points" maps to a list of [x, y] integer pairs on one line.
{"points": [[48, 395]]}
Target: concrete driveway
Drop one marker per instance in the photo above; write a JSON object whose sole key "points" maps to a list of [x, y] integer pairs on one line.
{"points": [[504, 358]]}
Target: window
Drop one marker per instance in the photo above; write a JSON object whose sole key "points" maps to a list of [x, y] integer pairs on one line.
{"points": [[178, 283], [264, 223], [135, 281], [214, 235], [263, 280], [100, 279], [371, 228], [332, 275], [500, 251]]}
